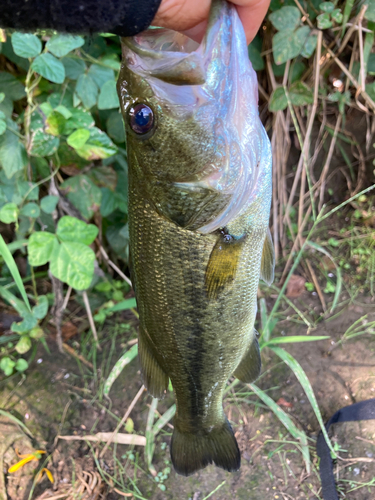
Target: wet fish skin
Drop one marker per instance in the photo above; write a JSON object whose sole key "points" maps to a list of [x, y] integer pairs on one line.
{"points": [[199, 201]]}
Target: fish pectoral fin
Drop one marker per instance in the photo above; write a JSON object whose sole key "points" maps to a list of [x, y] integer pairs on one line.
{"points": [[222, 264], [154, 378], [250, 366], [267, 266]]}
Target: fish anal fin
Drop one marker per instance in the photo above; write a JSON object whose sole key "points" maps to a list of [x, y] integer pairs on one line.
{"points": [[267, 267], [192, 452], [250, 366], [222, 264], [154, 378]]}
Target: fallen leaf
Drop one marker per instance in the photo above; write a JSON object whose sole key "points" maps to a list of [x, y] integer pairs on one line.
{"points": [[296, 286], [284, 402]]}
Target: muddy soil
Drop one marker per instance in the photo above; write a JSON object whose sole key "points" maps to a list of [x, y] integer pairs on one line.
{"points": [[62, 397]]}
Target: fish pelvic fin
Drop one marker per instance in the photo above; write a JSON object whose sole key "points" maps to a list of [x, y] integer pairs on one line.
{"points": [[250, 366], [154, 378], [192, 452], [267, 266], [223, 263]]}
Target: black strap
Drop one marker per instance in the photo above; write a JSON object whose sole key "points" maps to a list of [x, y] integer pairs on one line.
{"points": [[365, 410]]}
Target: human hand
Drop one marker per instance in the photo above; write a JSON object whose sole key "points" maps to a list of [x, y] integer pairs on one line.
{"points": [[190, 16]]}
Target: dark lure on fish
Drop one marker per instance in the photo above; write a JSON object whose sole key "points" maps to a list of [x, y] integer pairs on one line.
{"points": [[199, 202]]}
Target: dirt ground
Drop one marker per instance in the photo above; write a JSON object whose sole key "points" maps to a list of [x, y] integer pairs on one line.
{"points": [[59, 396]]}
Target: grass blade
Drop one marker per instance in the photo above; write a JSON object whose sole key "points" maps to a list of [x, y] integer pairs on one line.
{"points": [[17, 421], [266, 330], [164, 419], [338, 272], [286, 421], [119, 366], [294, 338], [304, 381], [12, 266], [150, 437], [123, 305]]}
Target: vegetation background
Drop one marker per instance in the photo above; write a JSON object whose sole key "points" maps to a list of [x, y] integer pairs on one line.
{"points": [[64, 283]]}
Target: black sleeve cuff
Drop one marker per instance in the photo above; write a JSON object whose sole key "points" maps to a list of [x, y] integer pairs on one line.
{"points": [[122, 17]]}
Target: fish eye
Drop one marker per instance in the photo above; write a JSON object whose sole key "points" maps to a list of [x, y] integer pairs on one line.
{"points": [[141, 118]]}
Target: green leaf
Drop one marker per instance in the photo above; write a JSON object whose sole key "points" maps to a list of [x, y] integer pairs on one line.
{"points": [[371, 64], [278, 100], [296, 71], [80, 119], [12, 266], [87, 90], [7, 365], [109, 202], [74, 68], [55, 123], [72, 229], [108, 98], [84, 194], [336, 15], [36, 333], [41, 247], [6, 107], [3, 123], [115, 127], [21, 365], [310, 46], [73, 264], [78, 138], [23, 345], [43, 144], [300, 94], [98, 146], [324, 21], [255, 58], [29, 321], [49, 67], [40, 310], [285, 18], [64, 111], [30, 210], [12, 152], [111, 60], [288, 44], [62, 43], [26, 45], [11, 87], [370, 12], [9, 213], [2, 97], [101, 74], [327, 6], [48, 203]]}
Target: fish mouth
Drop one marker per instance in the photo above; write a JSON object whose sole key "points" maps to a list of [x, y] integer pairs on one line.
{"points": [[172, 56], [167, 55]]}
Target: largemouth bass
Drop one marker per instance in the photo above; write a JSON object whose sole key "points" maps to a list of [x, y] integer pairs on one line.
{"points": [[199, 202]]}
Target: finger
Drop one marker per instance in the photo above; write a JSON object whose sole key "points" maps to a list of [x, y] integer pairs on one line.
{"points": [[182, 15], [252, 15]]}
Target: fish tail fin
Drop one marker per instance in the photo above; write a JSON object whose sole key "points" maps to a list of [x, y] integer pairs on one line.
{"points": [[192, 452]]}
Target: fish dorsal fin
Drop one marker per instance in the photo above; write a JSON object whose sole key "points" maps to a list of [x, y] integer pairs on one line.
{"points": [[223, 263], [267, 267]]}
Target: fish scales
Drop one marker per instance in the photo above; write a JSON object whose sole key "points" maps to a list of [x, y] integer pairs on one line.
{"points": [[199, 202]]}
